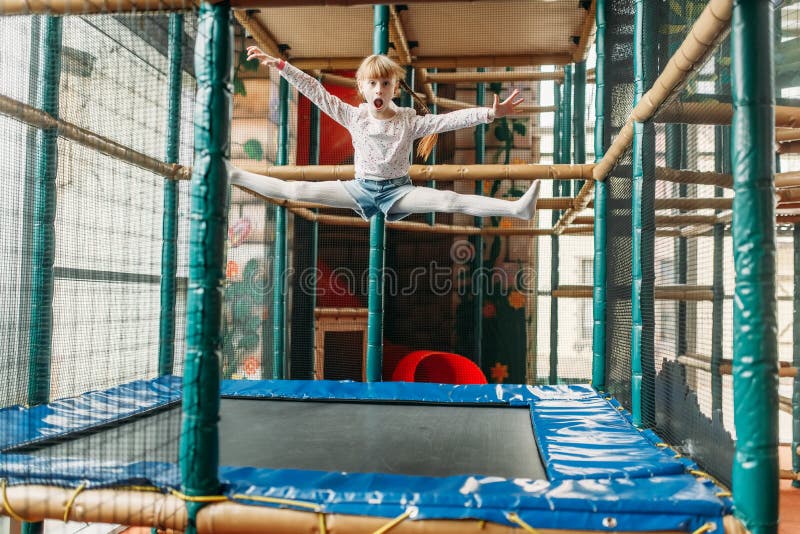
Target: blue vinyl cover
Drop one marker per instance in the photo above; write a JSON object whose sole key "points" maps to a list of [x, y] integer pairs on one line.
{"points": [[598, 465]]}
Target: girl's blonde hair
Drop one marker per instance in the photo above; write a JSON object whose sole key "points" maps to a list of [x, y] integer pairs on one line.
{"points": [[380, 66]]}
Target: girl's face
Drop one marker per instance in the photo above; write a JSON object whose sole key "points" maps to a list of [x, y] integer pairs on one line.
{"points": [[378, 92]]}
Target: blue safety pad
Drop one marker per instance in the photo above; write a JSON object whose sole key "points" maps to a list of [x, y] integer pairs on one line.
{"points": [[603, 473], [20, 425]]}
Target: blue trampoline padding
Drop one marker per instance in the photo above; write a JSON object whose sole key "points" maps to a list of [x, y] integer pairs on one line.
{"points": [[598, 465], [580, 434], [20, 425]]}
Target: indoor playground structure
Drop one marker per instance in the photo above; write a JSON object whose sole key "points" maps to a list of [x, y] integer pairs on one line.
{"points": [[187, 356]]}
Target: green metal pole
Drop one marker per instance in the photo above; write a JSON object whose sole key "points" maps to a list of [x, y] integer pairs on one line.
{"points": [[579, 116], [643, 217], [313, 159], [755, 347], [40, 340], [169, 248], [557, 154], [199, 445], [377, 236], [478, 280], [431, 217], [721, 164], [44, 214], [600, 199], [281, 249], [566, 128]]}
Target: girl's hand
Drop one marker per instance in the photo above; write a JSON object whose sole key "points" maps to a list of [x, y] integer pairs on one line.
{"points": [[507, 106], [254, 52]]}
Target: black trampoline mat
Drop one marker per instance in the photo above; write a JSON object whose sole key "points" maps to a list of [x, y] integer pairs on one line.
{"points": [[408, 439]]}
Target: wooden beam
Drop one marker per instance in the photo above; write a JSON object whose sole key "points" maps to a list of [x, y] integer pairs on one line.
{"points": [[719, 113], [671, 292]]}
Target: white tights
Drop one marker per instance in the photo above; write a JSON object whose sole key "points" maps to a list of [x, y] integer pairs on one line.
{"points": [[420, 200]]}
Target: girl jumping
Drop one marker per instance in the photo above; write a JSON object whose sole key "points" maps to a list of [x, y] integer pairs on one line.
{"points": [[383, 135]]}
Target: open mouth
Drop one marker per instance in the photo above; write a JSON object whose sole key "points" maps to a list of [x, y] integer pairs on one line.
{"points": [[378, 103]]}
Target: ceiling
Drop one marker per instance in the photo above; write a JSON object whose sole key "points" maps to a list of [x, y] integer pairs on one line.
{"points": [[513, 32]]}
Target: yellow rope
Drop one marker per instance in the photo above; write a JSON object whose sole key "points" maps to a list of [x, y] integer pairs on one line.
{"points": [[514, 518], [198, 498], [703, 474], [705, 528], [7, 505], [394, 522], [276, 500], [724, 494], [322, 527], [71, 501]]}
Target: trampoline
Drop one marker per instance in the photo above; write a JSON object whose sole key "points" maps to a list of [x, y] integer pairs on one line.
{"points": [[554, 457]]}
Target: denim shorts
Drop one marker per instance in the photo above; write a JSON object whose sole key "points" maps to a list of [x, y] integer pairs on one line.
{"points": [[373, 196]]}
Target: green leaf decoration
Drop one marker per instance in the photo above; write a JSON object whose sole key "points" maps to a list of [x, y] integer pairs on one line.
{"points": [[253, 149], [495, 187], [514, 192], [251, 65], [519, 127], [238, 86], [501, 132], [496, 87]]}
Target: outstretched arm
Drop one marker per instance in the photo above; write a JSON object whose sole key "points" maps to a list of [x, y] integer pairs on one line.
{"points": [[465, 118], [308, 86]]}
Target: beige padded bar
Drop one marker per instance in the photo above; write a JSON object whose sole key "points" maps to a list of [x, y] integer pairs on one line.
{"points": [[39, 119], [469, 173], [587, 34], [449, 103], [399, 37], [719, 113], [581, 202], [86, 7], [708, 27], [166, 512], [790, 147], [444, 62], [693, 203], [673, 292], [487, 77], [694, 177], [787, 134]]}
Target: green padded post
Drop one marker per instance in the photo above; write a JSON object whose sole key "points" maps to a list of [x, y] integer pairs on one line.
{"points": [[796, 356], [377, 236], [600, 198], [579, 116], [281, 248], [643, 217], [557, 154], [44, 215], [755, 347], [478, 281], [169, 248], [48, 75], [199, 444]]}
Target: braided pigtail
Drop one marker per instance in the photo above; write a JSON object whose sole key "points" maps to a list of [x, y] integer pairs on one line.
{"points": [[425, 146]]}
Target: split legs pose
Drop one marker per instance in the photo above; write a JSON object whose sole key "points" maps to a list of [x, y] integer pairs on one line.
{"points": [[420, 200]]}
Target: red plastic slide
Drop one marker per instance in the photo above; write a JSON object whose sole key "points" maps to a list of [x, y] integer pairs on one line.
{"points": [[439, 367]]}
